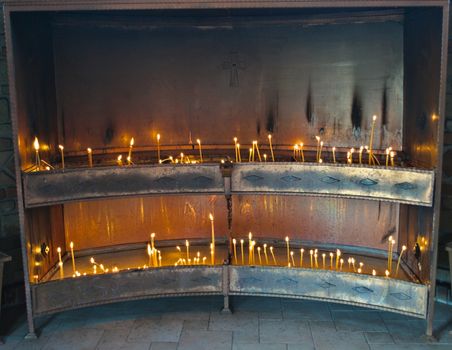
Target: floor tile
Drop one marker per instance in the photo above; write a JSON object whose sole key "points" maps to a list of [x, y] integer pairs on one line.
{"points": [[409, 347], [79, 339], [379, 338], [358, 321], [205, 340], [112, 338], [339, 340], [408, 331], [155, 330], [286, 332], [259, 347], [196, 324], [164, 346], [305, 310], [245, 325]]}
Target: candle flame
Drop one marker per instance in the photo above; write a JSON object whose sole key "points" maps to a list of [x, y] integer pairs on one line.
{"points": [[269, 136], [404, 247], [36, 144], [287, 238], [334, 148], [132, 141], [152, 234], [178, 248], [187, 243], [374, 118], [198, 141], [61, 147], [71, 245], [235, 139], [92, 261], [59, 250], [250, 235], [317, 138], [211, 217], [89, 150], [301, 144], [158, 137], [374, 273], [234, 241]]}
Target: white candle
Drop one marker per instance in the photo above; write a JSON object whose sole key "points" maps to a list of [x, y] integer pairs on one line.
{"points": [[234, 242], [288, 249], [236, 150], [292, 259], [259, 255], [129, 156], [241, 250], [334, 154], [187, 245], [320, 151], [38, 159], [271, 147], [265, 253], [301, 151], [400, 258], [371, 160], [90, 157], [213, 238], [158, 147], [200, 149], [71, 245], [62, 155], [301, 257], [323, 260], [273, 255], [60, 263]]}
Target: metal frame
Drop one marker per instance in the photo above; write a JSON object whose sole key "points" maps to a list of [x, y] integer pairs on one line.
{"points": [[54, 5]]}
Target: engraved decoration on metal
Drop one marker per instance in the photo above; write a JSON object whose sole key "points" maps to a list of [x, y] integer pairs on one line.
{"points": [[55, 296], [364, 290], [401, 185], [46, 188]]}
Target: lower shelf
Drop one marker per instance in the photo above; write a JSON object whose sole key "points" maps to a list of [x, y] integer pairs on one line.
{"points": [[341, 287], [336, 286]]}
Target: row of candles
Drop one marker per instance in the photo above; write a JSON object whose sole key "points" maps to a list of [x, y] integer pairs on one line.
{"points": [[336, 260], [254, 153]]}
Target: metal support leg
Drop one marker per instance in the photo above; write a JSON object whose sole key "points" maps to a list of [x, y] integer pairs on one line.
{"points": [[226, 308]]}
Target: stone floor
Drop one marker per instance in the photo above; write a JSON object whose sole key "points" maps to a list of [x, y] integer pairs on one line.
{"points": [[257, 323]]}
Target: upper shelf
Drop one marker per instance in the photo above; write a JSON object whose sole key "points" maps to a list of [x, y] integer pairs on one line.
{"points": [[46, 188], [401, 185]]}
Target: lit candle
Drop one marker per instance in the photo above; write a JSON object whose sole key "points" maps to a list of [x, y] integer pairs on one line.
{"points": [[374, 273], [323, 260], [119, 160], [316, 261], [311, 253], [265, 253], [288, 249], [236, 150], [320, 151], [62, 155], [359, 270], [250, 237], [265, 157], [295, 152], [204, 260], [342, 263], [182, 158], [180, 252], [371, 160], [392, 154], [360, 267], [187, 245], [60, 263], [390, 255], [129, 156], [389, 250], [154, 255], [331, 260], [291, 258], [361, 154], [273, 255], [149, 250], [257, 150], [352, 150], [387, 156], [338, 255], [349, 263], [301, 257], [90, 157], [301, 151], [250, 156], [241, 251], [253, 260], [318, 148], [198, 256], [158, 147], [271, 147], [349, 160], [71, 245], [200, 151], [234, 242], [239, 153], [353, 264], [334, 154], [387, 273], [38, 158], [400, 258], [213, 237], [259, 255]]}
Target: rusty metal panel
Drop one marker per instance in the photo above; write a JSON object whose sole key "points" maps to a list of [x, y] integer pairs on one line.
{"points": [[70, 293], [400, 185], [363, 290], [46, 188]]}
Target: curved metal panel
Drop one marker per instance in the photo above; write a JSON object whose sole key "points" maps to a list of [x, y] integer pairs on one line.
{"points": [[400, 185], [46, 188], [71, 293], [363, 290]]}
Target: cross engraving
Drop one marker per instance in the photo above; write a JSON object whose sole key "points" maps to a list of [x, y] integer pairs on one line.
{"points": [[233, 65]]}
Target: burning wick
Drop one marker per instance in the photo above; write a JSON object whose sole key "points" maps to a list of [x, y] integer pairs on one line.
{"points": [[213, 237], [200, 149], [271, 147], [265, 253], [38, 158], [301, 257], [273, 255], [334, 154], [371, 160], [241, 250], [71, 245], [119, 160], [90, 157], [62, 155], [400, 258], [129, 156], [288, 249], [234, 242], [60, 263]]}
